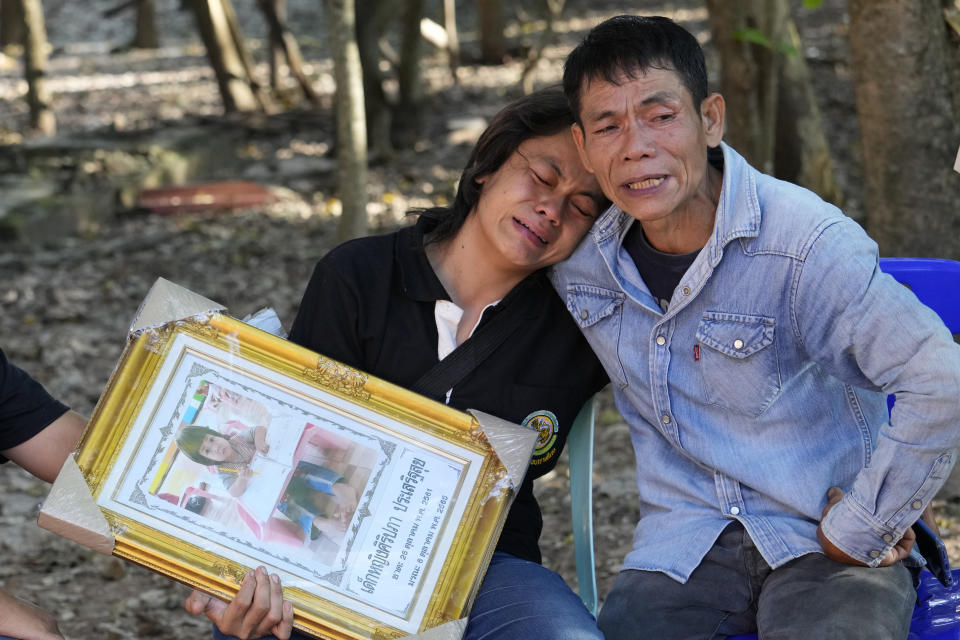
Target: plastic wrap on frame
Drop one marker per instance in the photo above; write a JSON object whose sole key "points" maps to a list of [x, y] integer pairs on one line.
{"points": [[514, 446], [452, 630], [166, 302], [70, 512]]}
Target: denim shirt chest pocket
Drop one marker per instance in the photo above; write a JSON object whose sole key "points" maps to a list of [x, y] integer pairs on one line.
{"points": [[738, 364], [599, 312]]}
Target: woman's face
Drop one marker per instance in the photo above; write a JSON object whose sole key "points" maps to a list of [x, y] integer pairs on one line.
{"points": [[216, 448], [535, 209]]}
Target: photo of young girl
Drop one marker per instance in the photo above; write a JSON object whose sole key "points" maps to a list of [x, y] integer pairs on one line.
{"points": [[264, 473]]}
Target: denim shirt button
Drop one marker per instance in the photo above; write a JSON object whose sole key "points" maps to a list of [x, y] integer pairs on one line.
{"points": [[738, 344], [661, 340], [584, 314], [734, 511], [887, 538], [685, 291], [874, 554], [916, 504], [665, 418]]}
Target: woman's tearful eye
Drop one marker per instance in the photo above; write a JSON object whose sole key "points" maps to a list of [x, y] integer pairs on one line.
{"points": [[587, 208]]}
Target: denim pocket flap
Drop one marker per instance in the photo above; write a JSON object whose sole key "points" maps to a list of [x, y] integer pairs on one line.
{"points": [[590, 304], [735, 335]]}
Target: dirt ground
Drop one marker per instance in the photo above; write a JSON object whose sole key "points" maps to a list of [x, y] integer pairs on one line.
{"points": [[66, 305]]}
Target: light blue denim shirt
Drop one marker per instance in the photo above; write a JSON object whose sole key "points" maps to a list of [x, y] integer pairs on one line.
{"points": [[764, 383]]}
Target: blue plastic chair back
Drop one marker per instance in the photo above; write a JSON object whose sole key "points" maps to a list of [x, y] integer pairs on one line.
{"points": [[937, 284], [580, 452]]}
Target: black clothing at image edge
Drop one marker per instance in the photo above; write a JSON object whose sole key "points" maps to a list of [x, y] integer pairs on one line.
{"points": [[26, 408]]}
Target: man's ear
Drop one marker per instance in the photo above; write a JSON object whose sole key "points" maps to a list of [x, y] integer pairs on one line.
{"points": [[579, 139], [712, 110]]}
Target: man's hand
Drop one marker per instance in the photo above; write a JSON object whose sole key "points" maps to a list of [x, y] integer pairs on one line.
{"points": [[899, 551], [22, 619], [257, 610]]}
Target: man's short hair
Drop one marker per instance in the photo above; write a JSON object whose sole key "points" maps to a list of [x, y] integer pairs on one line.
{"points": [[631, 45]]}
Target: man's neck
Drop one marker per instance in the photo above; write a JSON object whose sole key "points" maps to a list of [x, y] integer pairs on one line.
{"points": [[689, 229]]}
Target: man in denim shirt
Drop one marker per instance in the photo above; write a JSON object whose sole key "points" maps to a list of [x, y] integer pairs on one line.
{"points": [[751, 340]]}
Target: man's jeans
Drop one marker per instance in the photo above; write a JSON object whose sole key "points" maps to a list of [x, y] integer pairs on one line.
{"points": [[520, 599], [734, 591]]}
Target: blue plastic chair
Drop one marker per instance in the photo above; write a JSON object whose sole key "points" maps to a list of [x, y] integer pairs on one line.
{"points": [[937, 284]]}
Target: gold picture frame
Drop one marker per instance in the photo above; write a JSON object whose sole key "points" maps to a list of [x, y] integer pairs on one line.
{"points": [[404, 551]]}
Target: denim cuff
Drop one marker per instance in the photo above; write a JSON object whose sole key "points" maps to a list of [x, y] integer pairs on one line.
{"points": [[857, 534]]}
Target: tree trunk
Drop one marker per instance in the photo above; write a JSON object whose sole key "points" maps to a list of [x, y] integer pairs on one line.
{"points": [[553, 9], [772, 115], [275, 10], [145, 36], [407, 116], [35, 64], [226, 60], [281, 35], [493, 42], [453, 40], [379, 112], [802, 152], [351, 123], [11, 24], [246, 60], [909, 125], [740, 76]]}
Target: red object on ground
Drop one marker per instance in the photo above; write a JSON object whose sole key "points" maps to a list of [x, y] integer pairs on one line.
{"points": [[211, 196]]}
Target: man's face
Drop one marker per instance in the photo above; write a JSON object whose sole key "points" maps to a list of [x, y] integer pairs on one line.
{"points": [[647, 143]]}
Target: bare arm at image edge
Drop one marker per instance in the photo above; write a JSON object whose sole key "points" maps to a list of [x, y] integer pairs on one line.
{"points": [[43, 454], [24, 620]]}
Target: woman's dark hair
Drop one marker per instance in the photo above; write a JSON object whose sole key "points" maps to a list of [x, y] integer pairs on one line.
{"points": [[542, 113], [630, 45], [189, 440]]}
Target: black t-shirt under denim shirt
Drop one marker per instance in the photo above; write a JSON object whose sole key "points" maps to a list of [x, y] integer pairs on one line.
{"points": [[660, 271], [26, 408], [370, 304]]}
